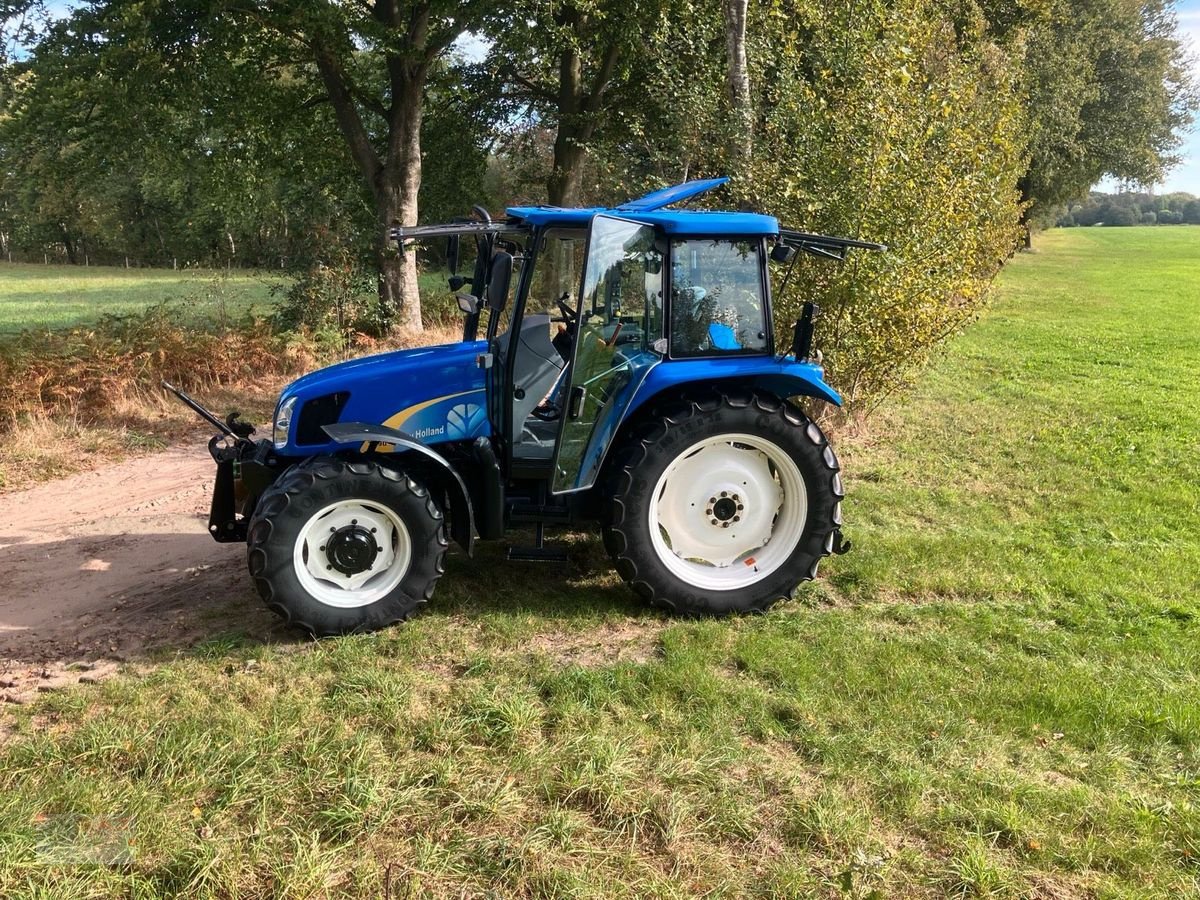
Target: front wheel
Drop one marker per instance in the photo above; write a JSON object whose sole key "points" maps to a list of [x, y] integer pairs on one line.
{"points": [[338, 546], [723, 505]]}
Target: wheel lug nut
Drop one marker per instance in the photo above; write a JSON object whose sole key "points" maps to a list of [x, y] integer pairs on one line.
{"points": [[724, 493], [715, 522], [329, 567], [354, 521], [740, 507], [322, 547], [373, 530]]}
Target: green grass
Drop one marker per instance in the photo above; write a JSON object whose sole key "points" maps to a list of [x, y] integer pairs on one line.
{"points": [[33, 296], [51, 297], [994, 695]]}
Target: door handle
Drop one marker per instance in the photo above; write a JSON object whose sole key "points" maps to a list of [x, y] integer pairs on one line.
{"points": [[575, 404]]}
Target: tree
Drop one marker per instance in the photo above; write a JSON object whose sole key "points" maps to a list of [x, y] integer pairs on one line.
{"points": [[1107, 92], [120, 134], [1120, 217], [886, 122], [741, 124], [350, 43], [363, 65], [1191, 212], [560, 63]]}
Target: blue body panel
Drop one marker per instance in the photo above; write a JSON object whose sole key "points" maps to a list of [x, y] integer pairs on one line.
{"points": [[783, 376], [434, 394], [673, 194], [682, 223], [650, 210]]}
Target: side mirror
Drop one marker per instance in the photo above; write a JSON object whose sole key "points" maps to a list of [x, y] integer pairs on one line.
{"points": [[457, 282], [498, 279], [452, 252], [468, 303], [782, 253]]}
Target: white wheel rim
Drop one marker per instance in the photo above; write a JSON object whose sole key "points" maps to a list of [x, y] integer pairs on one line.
{"points": [[327, 584], [753, 492]]}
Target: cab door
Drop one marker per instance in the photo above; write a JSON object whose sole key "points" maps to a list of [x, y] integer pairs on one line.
{"points": [[618, 340]]}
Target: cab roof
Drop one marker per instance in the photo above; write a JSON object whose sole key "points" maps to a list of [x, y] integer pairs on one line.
{"points": [[651, 210]]}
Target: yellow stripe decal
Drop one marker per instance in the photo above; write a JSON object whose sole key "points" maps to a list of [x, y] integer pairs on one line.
{"points": [[397, 419]]}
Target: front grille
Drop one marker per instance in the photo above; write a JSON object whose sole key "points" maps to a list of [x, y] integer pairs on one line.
{"points": [[317, 412]]}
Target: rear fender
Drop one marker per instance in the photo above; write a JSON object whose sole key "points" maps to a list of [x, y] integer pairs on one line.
{"points": [[781, 376], [462, 514]]}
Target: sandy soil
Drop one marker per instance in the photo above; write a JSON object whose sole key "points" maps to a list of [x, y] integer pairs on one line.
{"points": [[102, 568]]}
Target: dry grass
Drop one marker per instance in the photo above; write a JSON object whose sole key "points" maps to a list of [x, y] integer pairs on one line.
{"points": [[71, 398]]}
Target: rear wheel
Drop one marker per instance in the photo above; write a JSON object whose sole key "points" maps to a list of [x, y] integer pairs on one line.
{"points": [[339, 546], [723, 504]]}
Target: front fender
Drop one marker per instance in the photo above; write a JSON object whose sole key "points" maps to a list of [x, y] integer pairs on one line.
{"points": [[462, 520], [782, 376]]}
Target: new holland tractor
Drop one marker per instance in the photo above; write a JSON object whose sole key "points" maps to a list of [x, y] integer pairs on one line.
{"points": [[618, 367]]}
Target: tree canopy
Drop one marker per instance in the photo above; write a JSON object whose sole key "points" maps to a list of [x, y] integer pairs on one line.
{"points": [[279, 132]]}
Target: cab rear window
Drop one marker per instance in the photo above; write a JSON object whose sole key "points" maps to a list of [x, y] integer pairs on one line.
{"points": [[717, 298]]}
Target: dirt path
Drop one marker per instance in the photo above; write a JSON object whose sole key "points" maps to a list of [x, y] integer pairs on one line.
{"points": [[99, 568]]}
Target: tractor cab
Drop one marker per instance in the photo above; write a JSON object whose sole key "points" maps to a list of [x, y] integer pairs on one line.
{"points": [[578, 306], [618, 366]]}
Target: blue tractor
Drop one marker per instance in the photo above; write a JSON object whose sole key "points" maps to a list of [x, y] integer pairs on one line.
{"points": [[617, 367]]}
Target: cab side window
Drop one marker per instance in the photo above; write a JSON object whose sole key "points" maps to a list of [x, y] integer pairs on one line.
{"points": [[717, 298]]}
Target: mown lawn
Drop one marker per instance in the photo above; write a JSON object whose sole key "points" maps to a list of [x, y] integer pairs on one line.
{"points": [[51, 297], [994, 694], [34, 296]]}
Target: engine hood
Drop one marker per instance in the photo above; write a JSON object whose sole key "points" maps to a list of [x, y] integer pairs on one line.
{"points": [[432, 393]]}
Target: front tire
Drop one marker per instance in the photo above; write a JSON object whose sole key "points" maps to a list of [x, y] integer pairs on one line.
{"points": [[723, 504], [339, 546]]}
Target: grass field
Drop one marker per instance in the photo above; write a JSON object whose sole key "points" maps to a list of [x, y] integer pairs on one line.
{"points": [[33, 296], [994, 694], [37, 296]]}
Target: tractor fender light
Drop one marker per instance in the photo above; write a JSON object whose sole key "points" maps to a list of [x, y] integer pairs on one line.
{"points": [[283, 422]]}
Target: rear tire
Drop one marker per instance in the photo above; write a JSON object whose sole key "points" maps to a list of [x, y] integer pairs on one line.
{"points": [[339, 546], [722, 504]]}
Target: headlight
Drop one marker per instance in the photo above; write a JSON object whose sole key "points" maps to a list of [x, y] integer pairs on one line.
{"points": [[283, 422]]}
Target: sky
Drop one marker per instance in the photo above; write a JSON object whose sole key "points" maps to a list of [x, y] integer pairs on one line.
{"points": [[1185, 177]]}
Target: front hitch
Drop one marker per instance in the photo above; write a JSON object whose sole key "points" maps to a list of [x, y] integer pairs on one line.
{"points": [[245, 469]]}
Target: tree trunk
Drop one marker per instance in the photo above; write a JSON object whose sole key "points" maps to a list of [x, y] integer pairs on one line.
{"points": [[738, 83], [394, 177], [567, 177], [397, 188], [579, 108], [68, 245], [1026, 206]]}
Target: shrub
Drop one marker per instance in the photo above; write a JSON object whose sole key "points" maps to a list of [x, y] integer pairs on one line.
{"points": [[337, 297], [1120, 217], [882, 122], [1169, 217], [1149, 218]]}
